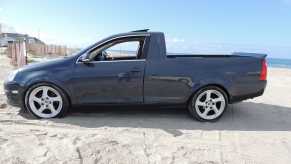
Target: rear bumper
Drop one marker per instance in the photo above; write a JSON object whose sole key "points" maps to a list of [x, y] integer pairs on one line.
{"points": [[258, 91], [14, 93]]}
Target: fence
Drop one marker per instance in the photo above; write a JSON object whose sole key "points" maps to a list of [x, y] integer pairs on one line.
{"points": [[18, 50], [43, 49], [17, 53]]}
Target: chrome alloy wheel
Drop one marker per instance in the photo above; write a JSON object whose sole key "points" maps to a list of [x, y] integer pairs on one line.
{"points": [[209, 104], [45, 102]]}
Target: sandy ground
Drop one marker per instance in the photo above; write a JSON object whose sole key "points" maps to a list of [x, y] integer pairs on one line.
{"points": [[255, 131]]}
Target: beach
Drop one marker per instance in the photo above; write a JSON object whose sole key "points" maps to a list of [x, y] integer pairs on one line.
{"points": [[256, 131]]}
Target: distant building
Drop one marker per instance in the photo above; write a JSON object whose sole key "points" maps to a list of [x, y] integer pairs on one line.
{"points": [[5, 38]]}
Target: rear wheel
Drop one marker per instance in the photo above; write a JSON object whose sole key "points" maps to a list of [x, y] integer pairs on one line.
{"points": [[46, 101], [208, 104]]}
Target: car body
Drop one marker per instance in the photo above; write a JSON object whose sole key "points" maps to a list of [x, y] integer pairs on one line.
{"points": [[150, 77]]}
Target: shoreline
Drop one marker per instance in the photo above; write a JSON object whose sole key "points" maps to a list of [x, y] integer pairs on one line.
{"points": [[289, 68], [283, 68]]}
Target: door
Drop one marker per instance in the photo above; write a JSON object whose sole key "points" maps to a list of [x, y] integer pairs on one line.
{"points": [[115, 74]]}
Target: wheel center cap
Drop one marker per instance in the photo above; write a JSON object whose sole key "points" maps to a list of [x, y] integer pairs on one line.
{"points": [[46, 101]]}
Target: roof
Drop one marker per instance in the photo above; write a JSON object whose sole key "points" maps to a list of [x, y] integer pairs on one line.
{"points": [[144, 30], [12, 35], [137, 32], [17, 36]]}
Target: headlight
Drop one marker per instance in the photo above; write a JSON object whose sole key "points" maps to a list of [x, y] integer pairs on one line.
{"points": [[12, 75]]}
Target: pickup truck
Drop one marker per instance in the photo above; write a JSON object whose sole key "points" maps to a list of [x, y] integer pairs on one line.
{"points": [[143, 74]]}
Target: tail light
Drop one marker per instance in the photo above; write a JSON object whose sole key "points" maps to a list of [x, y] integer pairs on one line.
{"points": [[264, 69]]}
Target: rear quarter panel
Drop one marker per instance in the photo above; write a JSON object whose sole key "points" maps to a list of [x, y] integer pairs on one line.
{"points": [[174, 80]]}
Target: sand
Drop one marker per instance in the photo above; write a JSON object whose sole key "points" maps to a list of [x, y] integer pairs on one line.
{"points": [[251, 132]]}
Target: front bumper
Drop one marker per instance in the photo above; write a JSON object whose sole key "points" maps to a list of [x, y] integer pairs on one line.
{"points": [[14, 93]]}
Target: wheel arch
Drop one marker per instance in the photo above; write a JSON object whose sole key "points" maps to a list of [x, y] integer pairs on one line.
{"points": [[48, 83], [210, 85]]}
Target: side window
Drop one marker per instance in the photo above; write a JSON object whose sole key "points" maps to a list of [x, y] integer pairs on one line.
{"points": [[126, 50], [122, 51]]}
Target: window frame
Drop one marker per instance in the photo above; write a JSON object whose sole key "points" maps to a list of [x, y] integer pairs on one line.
{"points": [[135, 53], [115, 41]]}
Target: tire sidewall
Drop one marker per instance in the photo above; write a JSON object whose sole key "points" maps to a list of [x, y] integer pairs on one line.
{"points": [[65, 105], [193, 111]]}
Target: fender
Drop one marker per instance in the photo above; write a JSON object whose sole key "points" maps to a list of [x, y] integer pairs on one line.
{"points": [[45, 77], [223, 83]]}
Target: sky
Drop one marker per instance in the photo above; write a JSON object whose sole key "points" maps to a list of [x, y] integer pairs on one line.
{"points": [[190, 26]]}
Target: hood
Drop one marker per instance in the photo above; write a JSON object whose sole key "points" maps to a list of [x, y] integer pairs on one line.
{"points": [[48, 64]]}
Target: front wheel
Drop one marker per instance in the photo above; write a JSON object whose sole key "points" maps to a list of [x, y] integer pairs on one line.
{"points": [[46, 101], [208, 104]]}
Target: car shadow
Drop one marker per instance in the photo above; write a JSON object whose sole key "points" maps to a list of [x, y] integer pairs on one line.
{"points": [[245, 116]]}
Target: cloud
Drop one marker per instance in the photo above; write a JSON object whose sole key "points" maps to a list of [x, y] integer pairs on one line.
{"points": [[174, 40]]}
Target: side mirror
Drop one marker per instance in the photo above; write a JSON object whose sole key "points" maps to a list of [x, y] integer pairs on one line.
{"points": [[84, 59]]}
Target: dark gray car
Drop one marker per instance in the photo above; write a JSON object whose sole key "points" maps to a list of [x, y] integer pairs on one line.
{"points": [[143, 74]]}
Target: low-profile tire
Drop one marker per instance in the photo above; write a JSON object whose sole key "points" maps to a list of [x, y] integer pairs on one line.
{"points": [[45, 100], [208, 104]]}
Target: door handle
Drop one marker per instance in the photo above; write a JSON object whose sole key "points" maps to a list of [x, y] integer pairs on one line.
{"points": [[123, 75], [135, 70]]}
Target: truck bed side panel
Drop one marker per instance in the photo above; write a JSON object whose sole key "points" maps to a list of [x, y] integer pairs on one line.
{"points": [[174, 80]]}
